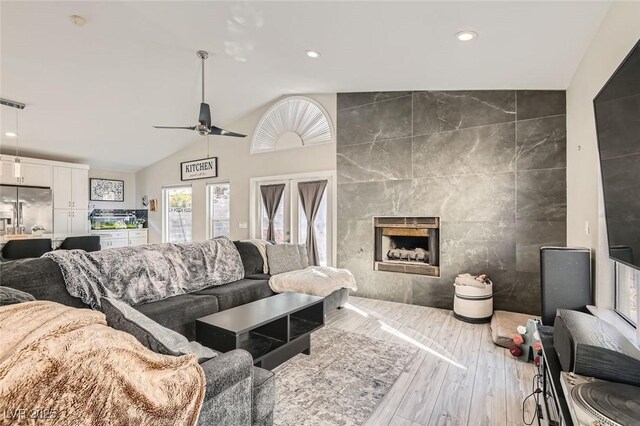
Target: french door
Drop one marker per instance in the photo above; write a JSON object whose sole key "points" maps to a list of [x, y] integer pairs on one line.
{"points": [[290, 221]]}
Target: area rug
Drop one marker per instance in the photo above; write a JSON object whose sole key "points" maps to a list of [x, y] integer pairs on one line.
{"points": [[341, 383]]}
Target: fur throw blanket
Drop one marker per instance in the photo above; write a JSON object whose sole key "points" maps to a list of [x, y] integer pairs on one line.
{"points": [[313, 280], [150, 272], [67, 367]]}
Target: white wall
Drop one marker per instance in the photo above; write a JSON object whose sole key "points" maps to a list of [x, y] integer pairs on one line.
{"points": [[130, 201], [236, 165], [618, 33]]}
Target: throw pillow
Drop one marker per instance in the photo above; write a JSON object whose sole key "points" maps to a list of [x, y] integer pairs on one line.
{"points": [[151, 334], [251, 257], [11, 296], [283, 258], [304, 256]]}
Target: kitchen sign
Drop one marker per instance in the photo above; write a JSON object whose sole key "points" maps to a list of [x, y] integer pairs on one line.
{"points": [[199, 169]]}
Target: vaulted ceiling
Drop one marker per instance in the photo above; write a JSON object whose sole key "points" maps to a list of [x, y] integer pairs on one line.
{"points": [[93, 92]]}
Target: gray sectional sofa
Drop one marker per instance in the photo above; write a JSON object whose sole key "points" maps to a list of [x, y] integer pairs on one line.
{"points": [[237, 392]]}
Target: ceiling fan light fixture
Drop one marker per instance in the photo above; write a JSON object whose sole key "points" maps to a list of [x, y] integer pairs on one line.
{"points": [[204, 126], [312, 54]]}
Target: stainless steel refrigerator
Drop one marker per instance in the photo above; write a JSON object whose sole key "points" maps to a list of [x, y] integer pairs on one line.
{"points": [[23, 207]]}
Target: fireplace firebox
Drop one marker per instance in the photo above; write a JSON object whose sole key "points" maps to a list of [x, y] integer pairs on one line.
{"points": [[409, 245]]}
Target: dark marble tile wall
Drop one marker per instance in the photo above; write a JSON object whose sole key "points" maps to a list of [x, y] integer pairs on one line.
{"points": [[491, 164]]}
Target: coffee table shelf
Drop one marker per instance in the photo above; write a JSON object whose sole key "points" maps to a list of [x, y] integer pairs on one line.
{"points": [[272, 330], [258, 344], [301, 326]]}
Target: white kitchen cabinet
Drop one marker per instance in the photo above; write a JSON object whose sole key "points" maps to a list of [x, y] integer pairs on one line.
{"points": [[7, 177], [36, 174], [118, 242], [30, 174], [137, 241], [122, 238], [80, 189], [61, 187], [70, 222], [62, 221], [70, 200], [79, 222], [70, 188]]}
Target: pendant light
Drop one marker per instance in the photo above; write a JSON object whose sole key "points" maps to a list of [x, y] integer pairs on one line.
{"points": [[16, 160]]}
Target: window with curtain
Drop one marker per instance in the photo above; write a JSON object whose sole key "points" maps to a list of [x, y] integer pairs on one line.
{"points": [[218, 209], [278, 224], [321, 227], [177, 217], [273, 201]]}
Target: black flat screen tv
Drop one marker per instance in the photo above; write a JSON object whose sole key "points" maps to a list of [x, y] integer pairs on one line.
{"points": [[617, 112]]}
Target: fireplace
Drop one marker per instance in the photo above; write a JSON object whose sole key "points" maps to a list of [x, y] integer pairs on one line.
{"points": [[409, 245]]}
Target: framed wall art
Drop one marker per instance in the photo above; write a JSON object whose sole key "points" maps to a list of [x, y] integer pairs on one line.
{"points": [[106, 190]]}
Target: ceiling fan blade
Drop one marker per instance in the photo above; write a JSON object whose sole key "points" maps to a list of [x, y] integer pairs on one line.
{"points": [[205, 115], [221, 132], [170, 127]]}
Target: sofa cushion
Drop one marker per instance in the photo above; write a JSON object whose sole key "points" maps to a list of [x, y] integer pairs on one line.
{"points": [[258, 277], [11, 296], [264, 394], [251, 257], [174, 312], [238, 293], [284, 258], [304, 255], [40, 277], [148, 332]]}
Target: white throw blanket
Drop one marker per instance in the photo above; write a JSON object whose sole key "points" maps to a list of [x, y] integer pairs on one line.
{"points": [[313, 280]]}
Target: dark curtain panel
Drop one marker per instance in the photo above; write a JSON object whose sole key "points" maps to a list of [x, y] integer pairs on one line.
{"points": [[271, 197], [310, 198]]}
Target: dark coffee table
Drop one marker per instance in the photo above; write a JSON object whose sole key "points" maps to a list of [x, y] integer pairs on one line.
{"points": [[272, 330]]}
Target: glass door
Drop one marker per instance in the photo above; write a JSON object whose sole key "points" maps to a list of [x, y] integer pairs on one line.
{"points": [[322, 223], [290, 221]]}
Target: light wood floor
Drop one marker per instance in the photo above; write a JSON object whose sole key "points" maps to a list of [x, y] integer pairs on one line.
{"points": [[458, 377]]}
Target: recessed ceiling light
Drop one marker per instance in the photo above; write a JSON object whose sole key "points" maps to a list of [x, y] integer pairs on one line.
{"points": [[466, 35], [11, 134], [78, 20], [313, 54]]}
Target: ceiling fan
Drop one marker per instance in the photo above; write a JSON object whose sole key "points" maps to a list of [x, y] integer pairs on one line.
{"points": [[204, 126]]}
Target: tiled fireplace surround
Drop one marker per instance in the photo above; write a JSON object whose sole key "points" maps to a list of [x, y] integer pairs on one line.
{"points": [[490, 164]]}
